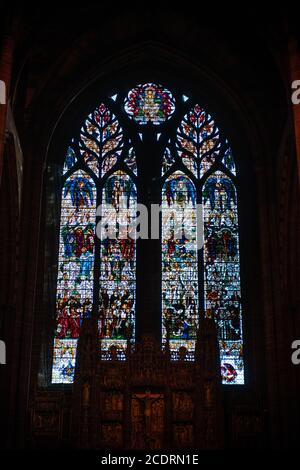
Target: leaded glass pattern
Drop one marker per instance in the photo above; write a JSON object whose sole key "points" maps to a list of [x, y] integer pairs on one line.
{"points": [[198, 141], [179, 263], [168, 161], [222, 272], [149, 103], [75, 271], [130, 160], [99, 149], [118, 259], [228, 161], [201, 148], [101, 140], [70, 158], [197, 164]]}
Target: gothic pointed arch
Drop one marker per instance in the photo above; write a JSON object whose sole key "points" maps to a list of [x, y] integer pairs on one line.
{"points": [[208, 285], [96, 276]]}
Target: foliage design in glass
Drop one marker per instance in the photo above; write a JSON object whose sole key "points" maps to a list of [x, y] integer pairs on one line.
{"points": [[200, 147], [198, 141], [179, 263], [101, 140], [101, 165], [98, 149], [75, 271], [117, 278], [149, 103], [222, 272]]}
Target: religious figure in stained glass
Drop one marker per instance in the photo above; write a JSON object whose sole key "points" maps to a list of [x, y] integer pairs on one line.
{"points": [[197, 164], [117, 278], [149, 103], [75, 275], [180, 267], [201, 148], [99, 148], [221, 276]]}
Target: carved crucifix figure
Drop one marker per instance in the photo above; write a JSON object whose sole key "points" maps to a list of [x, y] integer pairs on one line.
{"points": [[149, 419]]}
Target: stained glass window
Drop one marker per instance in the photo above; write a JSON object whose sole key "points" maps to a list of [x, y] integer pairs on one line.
{"points": [[70, 159], [117, 278], [101, 140], [75, 271], [130, 161], [228, 160], [198, 141], [200, 269], [180, 267], [201, 147], [99, 149], [222, 277], [168, 161], [149, 103]]}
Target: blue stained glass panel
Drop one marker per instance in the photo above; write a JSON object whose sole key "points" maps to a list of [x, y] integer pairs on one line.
{"points": [[179, 264], [118, 264], [75, 271], [222, 273]]}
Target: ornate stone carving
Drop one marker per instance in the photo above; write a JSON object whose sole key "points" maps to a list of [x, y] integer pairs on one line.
{"points": [[148, 400], [47, 414], [183, 406], [183, 436], [113, 375], [112, 405], [147, 415], [181, 375], [86, 394]]}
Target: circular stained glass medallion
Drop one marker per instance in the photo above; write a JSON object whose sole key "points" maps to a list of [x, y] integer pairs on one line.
{"points": [[149, 103]]}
